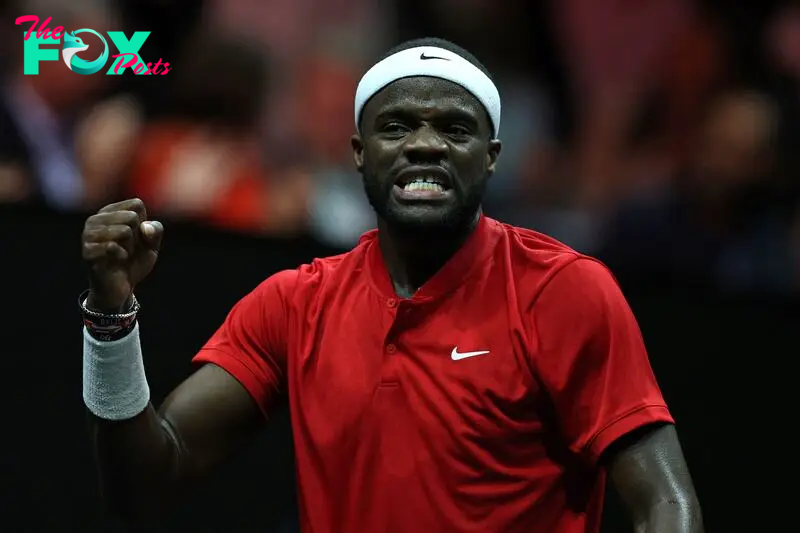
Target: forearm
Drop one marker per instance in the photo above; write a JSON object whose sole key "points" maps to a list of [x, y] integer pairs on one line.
{"points": [[138, 463], [136, 451], [146, 458]]}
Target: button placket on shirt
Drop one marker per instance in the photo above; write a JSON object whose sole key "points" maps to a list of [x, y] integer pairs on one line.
{"points": [[390, 347], [397, 309]]}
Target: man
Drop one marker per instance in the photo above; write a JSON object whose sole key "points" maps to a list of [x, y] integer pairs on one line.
{"points": [[449, 374]]}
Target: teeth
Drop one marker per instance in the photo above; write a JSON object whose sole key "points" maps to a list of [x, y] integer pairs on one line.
{"points": [[419, 185], [423, 184]]}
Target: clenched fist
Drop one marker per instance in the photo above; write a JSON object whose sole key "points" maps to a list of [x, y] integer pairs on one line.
{"points": [[121, 247]]}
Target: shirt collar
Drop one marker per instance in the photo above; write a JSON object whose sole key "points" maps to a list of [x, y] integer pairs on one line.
{"points": [[475, 251]]}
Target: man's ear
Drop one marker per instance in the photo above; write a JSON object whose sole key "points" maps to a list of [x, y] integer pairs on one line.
{"points": [[492, 154], [358, 152]]}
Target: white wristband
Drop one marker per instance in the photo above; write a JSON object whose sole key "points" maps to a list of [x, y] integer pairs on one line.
{"points": [[114, 383]]}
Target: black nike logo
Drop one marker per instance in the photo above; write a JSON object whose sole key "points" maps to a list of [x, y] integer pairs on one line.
{"points": [[423, 57]]}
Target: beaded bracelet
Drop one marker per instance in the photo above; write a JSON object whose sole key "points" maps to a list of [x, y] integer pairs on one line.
{"points": [[108, 327]]}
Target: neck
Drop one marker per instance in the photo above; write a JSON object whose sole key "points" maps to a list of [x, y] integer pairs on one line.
{"points": [[413, 259]]}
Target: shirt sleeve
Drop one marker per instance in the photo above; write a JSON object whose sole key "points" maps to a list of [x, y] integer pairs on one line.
{"points": [[592, 360], [251, 344]]}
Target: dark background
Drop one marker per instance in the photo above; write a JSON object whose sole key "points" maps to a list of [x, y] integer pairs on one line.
{"points": [[723, 362]]}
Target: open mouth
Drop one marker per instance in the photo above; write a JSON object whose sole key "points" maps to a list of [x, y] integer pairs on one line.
{"points": [[423, 184], [432, 179]]}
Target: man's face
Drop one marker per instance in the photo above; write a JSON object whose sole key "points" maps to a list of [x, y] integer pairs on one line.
{"points": [[425, 154]]}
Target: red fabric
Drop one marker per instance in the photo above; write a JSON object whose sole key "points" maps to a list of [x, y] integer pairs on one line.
{"points": [[592, 359], [392, 434]]}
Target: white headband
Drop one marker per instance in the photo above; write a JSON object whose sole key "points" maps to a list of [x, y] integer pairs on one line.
{"points": [[434, 62]]}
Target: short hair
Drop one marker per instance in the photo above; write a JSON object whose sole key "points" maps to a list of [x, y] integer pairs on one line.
{"points": [[438, 43]]}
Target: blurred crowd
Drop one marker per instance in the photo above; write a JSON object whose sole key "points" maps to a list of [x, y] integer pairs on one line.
{"points": [[657, 134]]}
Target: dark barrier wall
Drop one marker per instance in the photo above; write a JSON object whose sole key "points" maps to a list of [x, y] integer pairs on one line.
{"points": [[725, 365]]}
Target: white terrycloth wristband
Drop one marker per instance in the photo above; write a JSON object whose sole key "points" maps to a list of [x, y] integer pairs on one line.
{"points": [[114, 382]]}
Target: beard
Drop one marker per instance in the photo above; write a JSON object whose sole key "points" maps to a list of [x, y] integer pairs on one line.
{"points": [[426, 221]]}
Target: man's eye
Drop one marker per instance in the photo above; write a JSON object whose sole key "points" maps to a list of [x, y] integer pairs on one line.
{"points": [[457, 129], [394, 127]]}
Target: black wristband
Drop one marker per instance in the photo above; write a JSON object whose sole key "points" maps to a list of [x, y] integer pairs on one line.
{"points": [[108, 327]]}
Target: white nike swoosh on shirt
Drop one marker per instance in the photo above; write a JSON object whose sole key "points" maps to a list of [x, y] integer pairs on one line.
{"points": [[455, 356]]}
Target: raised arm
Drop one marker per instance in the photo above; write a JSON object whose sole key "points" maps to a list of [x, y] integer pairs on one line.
{"points": [[146, 457]]}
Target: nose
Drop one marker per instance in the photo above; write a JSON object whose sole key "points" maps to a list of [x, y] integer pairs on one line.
{"points": [[425, 145]]}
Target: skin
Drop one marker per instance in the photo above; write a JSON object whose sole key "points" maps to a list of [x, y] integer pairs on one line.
{"points": [[432, 123], [146, 461], [649, 472]]}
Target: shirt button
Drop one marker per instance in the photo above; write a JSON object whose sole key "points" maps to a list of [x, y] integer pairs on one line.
{"points": [[391, 302], [391, 349]]}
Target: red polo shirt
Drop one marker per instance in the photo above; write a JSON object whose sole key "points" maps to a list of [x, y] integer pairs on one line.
{"points": [[482, 404]]}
